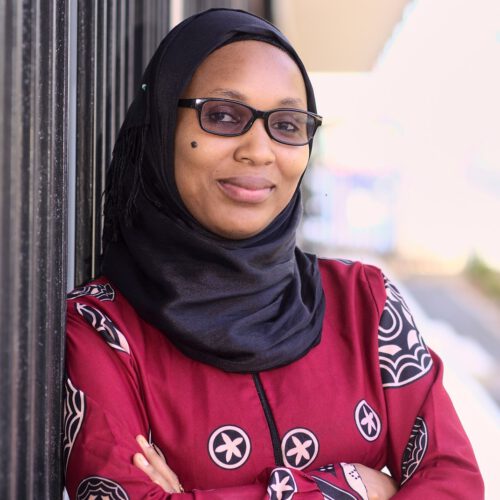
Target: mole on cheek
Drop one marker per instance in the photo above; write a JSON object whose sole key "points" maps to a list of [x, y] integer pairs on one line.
{"points": [[194, 144]]}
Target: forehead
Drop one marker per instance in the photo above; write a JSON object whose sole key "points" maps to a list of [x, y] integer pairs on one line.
{"points": [[254, 70]]}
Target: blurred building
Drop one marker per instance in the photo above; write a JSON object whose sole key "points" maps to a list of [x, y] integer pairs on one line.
{"points": [[352, 187], [409, 92], [338, 35]]}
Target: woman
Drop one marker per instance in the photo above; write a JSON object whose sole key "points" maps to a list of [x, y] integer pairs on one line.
{"points": [[243, 366]]}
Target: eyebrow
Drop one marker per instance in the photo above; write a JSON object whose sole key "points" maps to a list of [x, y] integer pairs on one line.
{"points": [[238, 96]]}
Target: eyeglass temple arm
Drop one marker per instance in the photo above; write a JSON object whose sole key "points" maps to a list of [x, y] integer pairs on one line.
{"points": [[187, 103]]}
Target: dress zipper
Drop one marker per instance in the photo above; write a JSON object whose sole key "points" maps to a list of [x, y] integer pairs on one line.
{"points": [[275, 438]]}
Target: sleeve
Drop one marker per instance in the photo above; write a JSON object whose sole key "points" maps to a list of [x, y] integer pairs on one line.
{"points": [[430, 455], [104, 410]]}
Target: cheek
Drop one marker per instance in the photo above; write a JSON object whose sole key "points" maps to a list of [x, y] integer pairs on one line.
{"points": [[197, 160], [185, 169], [294, 166]]}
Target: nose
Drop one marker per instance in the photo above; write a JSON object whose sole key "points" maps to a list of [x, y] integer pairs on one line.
{"points": [[255, 147]]}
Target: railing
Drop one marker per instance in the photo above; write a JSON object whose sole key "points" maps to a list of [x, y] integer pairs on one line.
{"points": [[68, 70]]}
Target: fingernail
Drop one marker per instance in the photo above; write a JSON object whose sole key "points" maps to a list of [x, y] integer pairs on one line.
{"points": [[142, 441], [145, 463]]}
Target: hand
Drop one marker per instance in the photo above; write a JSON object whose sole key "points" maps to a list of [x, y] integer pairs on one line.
{"points": [[379, 486], [154, 465]]}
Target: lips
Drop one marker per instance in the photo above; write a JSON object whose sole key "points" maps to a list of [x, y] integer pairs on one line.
{"points": [[246, 189]]}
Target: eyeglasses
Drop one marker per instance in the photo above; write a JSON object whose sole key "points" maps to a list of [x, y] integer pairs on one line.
{"points": [[228, 118]]}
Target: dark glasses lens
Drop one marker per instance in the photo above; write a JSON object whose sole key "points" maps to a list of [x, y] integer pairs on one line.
{"points": [[291, 127], [230, 118], [224, 117]]}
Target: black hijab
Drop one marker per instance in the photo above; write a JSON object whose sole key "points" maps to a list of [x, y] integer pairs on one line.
{"points": [[240, 305]]}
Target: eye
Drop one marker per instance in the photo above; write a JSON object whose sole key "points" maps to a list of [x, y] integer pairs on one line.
{"points": [[222, 114], [289, 123], [287, 127]]}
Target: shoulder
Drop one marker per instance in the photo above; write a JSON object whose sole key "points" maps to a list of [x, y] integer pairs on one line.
{"points": [[347, 278], [101, 319], [98, 307], [99, 294], [366, 297]]}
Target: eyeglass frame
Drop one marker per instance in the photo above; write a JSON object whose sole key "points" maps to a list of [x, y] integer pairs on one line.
{"points": [[197, 103]]}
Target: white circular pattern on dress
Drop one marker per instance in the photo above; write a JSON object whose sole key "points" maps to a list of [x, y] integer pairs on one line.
{"points": [[367, 421], [229, 447], [299, 448], [282, 485]]}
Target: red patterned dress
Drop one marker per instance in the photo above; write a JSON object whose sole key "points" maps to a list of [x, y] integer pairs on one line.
{"points": [[371, 392]]}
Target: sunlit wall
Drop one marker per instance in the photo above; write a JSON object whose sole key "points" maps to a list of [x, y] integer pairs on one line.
{"points": [[409, 157]]}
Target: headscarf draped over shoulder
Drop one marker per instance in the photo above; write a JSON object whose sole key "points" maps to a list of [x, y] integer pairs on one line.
{"points": [[240, 305]]}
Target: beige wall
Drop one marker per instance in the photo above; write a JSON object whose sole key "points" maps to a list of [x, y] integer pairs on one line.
{"points": [[338, 35]]}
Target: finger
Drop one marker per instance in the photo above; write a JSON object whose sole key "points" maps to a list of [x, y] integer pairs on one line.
{"points": [[159, 464], [139, 460]]}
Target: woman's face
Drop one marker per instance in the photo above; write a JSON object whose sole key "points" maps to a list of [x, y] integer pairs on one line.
{"points": [[235, 186]]}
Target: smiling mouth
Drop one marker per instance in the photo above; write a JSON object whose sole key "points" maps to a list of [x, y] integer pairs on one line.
{"points": [[246, 189]]}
